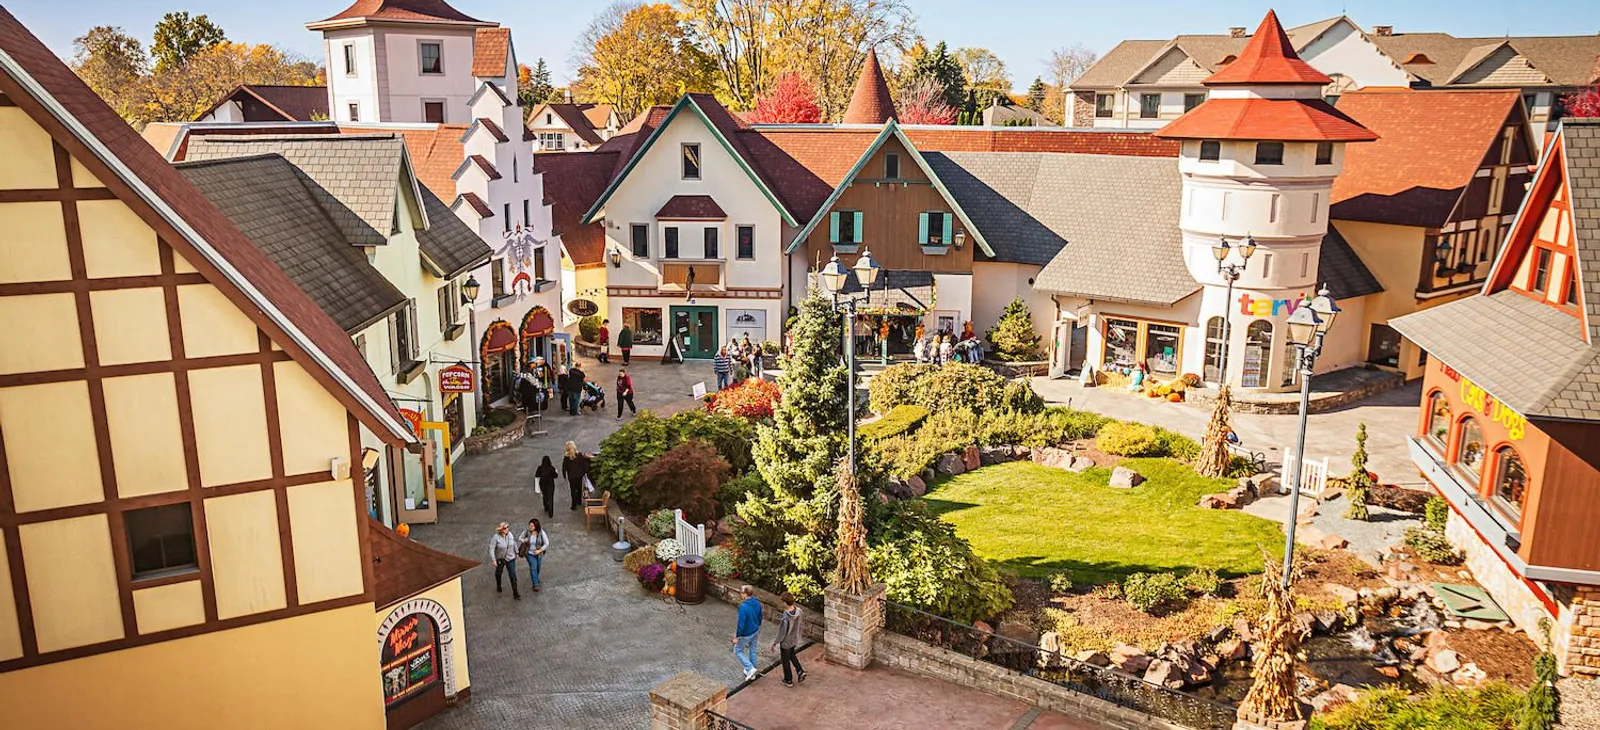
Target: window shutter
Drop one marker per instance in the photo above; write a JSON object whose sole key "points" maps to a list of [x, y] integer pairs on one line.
{"points": [[411, 311], [949, 227], [443, 295], [857, 229], [833, 228], [394, 342], [922, 228]]}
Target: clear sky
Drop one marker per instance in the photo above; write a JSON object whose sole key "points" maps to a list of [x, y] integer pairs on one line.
{"points": [[1021, 32]]}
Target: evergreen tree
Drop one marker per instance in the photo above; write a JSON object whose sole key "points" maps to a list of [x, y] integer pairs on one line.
{"points": [[970, 113], [1360, 482], [943, 69], [538, 86], [1542, 708], [1014, 337], [1036, 94]]}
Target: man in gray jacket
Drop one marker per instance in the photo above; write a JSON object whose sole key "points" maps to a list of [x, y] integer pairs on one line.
{"points": [[503, 553], [788, 642]]}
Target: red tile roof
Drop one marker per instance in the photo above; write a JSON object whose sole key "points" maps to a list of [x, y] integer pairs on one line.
{"points": [[486, 166], [871, 103], [481, 208], [574, 181], [412, 11], [494, 129], [148, 171], [691, 207], [435, 153], [402, 568], [1285, 120], [1430, 144], [490, 49], [1269, 58]]}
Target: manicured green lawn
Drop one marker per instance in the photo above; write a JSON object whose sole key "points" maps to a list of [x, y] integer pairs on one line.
{"points": [[1035, 521]]}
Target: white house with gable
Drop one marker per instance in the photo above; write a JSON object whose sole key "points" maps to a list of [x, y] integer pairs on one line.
{"points": [[400, 61]]}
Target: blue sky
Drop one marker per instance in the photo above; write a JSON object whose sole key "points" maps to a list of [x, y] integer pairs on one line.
{"points": [[1021, 32]]}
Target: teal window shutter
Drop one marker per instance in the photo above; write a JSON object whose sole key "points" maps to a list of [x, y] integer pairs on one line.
{"points": [[857, 228], [922, 228], [949, 227], [833, 228]]}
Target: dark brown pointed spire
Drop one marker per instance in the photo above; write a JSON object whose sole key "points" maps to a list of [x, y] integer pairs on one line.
{"points": [[871, 103]]}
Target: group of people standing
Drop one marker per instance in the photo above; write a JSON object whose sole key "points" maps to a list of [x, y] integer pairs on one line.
{"points": [[946, 347], [736, 362], [530, 545], [541, 381]]}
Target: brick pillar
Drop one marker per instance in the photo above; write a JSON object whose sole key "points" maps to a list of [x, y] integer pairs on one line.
{"points": [[1578, 646], [1247, 721], [1082, 109], [680, 703], [852, 624]]}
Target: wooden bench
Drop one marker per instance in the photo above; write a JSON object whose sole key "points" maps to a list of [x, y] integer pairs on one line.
{"points": [[595, 508]]}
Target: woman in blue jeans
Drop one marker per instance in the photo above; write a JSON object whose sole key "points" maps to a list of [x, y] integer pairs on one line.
{"points": [[532, 545]]}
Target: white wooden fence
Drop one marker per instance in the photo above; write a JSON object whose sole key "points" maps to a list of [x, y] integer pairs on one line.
{"points": [[1313, 474], [693, 537]]}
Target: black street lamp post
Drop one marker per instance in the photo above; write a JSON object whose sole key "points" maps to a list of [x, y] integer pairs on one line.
{"points": [[1307, 327], [834, 276], [1230, 272]]}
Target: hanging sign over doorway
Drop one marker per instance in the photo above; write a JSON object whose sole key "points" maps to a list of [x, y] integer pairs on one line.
{"points": [[455, 379]]}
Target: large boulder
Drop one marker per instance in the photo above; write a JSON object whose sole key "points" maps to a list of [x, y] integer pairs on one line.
{"points": [[896, 489], [1129, 658], [971, 457], [916, 486], [1050, 653], [1232, 650], [1080, 464], [1052, 456], [1332, 542], [1093, 658], [1019, 632], [1124, 478], [1163, 673], [950, 465], [1196, 671], [1344, 593], [1445, 662]]}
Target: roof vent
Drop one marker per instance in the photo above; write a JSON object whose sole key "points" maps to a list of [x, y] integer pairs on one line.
{"points": [[1230, 58], [1239, 32], [1383, 31], [1417, 58]]}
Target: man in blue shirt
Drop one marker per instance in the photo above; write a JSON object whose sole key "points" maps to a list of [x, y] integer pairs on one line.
{"points": [[744, 637], [723, 366]]}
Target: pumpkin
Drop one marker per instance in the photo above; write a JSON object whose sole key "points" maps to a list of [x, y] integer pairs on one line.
{"points": [[1175, 397]]}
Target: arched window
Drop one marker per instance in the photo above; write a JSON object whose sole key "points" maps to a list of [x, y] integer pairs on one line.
{"points": [[1470, 450], [1216, 342], [1257, 354], [1438, 420], [1291, 363], [1510, 482]]}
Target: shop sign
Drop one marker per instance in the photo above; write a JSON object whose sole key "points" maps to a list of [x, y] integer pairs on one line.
{"points": [[583, 307], [1250, 306], [410, 659], [1475, 397], [455, 379], [415, 419]]}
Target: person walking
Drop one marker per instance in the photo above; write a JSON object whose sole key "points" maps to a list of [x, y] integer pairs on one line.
{"points": [[503, 553], [744, 634], [575, 380], [788, 641], [532, 543], [625, 391], [625, 342], [544, 482], [722, 365], [605, 341], [575, 467]]}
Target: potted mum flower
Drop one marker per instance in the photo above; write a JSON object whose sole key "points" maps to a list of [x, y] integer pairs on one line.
{"points": [[669, 550]]}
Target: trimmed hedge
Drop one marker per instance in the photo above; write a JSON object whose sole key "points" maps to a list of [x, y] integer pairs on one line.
{"points": [[900, 419], [951, 386]]}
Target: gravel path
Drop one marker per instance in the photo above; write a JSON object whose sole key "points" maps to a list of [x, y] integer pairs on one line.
{"points": [[1580, 703], [1367, 539]]}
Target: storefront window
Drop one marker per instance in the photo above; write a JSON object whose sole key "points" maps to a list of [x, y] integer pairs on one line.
{"points": [[1469, 450], [645, 323], [1291, 363], [454, 416], [1122, 343], [1438, 419], [1161, 350], [1216, 344], [409, 661], [1257, 354], [1510, 483]]}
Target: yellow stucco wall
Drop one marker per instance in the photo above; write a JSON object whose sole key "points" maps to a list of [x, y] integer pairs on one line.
{"points": [[315, 427], [35, 245], [10, 630], [314, 671], [146, 440], [25, 146], [72, 607], [594, 279], [130, 325], [212, 325], [1394, 255], [327, 550], [49, 324], [230, 424], [115, 241], [50, 445], [171, 606], [81, 177], [246, 555], [449, 596]]}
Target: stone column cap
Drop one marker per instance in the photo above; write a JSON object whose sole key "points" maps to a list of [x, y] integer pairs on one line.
{"points": [[687, 689], [876, 590]]}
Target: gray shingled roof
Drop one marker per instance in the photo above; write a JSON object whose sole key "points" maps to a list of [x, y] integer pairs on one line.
{"points": [[268, 200], [449, 248], [1566, 60], [357, 173], [1581, 144], [1118, 65], [1338, 266], [1103, 226]]}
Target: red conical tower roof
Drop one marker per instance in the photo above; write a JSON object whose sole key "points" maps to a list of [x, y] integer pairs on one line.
{"points": [[1269, 58], [871, 103]]}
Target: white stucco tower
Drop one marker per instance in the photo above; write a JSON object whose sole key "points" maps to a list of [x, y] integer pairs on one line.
{"points": [[1259, 157], [400, 61]]}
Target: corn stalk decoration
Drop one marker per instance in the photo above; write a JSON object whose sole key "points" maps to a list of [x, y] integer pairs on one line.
{"points": [[850, 554], [1272, 689], [1214, 460]]}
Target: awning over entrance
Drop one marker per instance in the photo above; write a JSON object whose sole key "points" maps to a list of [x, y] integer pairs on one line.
{"points": [[538, 323], [499, 338], [907, 292]]}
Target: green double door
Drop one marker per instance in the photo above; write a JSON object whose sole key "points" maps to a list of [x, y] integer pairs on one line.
{"points": [[696, 331]]}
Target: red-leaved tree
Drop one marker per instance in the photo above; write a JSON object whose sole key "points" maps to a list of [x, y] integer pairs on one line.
{"points": [[754, 399], [791, 101], [922, 102], [1583, 104], [686, 477]]}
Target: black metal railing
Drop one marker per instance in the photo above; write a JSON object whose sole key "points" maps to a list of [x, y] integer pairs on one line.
{"points": [[715, 721], [1106, 683]]}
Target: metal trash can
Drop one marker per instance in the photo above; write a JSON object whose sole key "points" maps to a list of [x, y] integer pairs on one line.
{"points": [[691, 582]]}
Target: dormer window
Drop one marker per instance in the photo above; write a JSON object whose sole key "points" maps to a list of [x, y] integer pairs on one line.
{"points": [[891, 166], [1269, 153], [1210, 150], [432, 55], [691, 161]]}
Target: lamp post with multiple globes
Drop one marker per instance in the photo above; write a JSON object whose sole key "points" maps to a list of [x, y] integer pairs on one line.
{"points": [[1230, 272], [834, 277], [1307, 327]]}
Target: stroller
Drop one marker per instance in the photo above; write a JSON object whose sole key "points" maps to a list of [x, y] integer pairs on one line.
{"points": [[594, 397]]}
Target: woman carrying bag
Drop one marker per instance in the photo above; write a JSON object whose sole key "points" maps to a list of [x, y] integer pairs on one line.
{"points": [[531, 544], [544, 485], [575, 467]]}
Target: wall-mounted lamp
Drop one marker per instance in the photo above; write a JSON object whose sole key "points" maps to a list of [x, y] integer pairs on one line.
{"points": [[616, 258], [469, 290], [1441, 256], [961, 239]]}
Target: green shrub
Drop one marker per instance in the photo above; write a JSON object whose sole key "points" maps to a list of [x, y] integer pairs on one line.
{"points": [[661, 524], [1203, 581], [1149, 591], [1050, 427], [897, 386], [1108, 592], [1014, 337], [626, 451], [499, 418], [731, 493], [719, 562], [1178, 446], [1436, 513], [908, 455], [927, 566], [1240, 466], [730, 435], [1490, 707], [937, 387], [1431, 546], [1018, 396], [1061, 582], [898, 420], [1126, 438], [589, 328]]}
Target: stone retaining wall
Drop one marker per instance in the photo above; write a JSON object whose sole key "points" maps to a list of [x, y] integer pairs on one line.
{"points": [[1244, 401], [925, 660], [498, 438]]}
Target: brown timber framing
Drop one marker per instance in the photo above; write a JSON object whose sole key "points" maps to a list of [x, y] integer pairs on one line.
{"points": [[186, 431], [269, 396]]}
